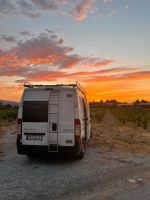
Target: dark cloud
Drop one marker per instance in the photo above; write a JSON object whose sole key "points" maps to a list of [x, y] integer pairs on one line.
{"points": [[30, 14], [7, 7], [34, 8], [27, 9], [8, 38], [25, 33], [77, 9], [14, 71], [43, 47], [25, 5], [46, 4], [15, 7]]}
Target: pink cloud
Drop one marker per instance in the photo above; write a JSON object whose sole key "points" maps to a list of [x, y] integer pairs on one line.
{"points": [[82, 9], [46, 58], [42, 54], [77, 9]]}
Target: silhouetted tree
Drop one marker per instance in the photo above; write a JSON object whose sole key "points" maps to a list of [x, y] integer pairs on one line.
{"points": [[136, 102], [144, 101]]}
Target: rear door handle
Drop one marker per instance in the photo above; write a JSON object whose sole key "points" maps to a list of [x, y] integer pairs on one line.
{"points": [[86, 118], [54, 127]]}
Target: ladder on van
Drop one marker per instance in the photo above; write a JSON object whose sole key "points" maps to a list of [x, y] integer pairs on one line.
{"points": [[53, 123]]}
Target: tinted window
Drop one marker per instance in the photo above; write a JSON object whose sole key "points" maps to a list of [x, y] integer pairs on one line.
{"points": [[35, 111]]}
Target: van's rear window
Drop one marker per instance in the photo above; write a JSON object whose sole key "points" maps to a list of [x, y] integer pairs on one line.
{"points": [[35, 111]]}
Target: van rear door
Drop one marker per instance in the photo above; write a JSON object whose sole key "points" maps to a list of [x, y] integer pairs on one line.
{"points": [[61, 120], [48, 118], [66, 118], [35, 117]]}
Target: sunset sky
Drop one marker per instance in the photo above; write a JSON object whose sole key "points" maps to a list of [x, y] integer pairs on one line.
{"points": [[103, 44]]}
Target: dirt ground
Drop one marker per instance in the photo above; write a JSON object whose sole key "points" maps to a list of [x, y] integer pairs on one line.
{"points": [[109, 171], [109, 134]]}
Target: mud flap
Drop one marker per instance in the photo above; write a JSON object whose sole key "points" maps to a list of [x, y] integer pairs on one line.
{"points": [[19, 147]]}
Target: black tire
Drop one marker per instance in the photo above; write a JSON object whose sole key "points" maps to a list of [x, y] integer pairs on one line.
{"points": [[80, 155], [19, 147], [30, 156]]}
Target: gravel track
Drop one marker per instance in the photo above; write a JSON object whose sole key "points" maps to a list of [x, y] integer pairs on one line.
{"points": [[100, 175]]}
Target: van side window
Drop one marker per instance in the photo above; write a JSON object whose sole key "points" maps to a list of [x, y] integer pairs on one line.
{"points": [[83, 107]]}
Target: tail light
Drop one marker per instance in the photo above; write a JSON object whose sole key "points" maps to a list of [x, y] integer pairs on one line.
{"points": [[77, 129], [19, 129]]}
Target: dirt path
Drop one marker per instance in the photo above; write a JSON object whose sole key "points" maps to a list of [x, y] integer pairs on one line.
{"points": [[108, 124], [105, 131], [108, 134]]}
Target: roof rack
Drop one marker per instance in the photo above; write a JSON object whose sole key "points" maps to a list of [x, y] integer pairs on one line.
{"points": [[76, 85]]}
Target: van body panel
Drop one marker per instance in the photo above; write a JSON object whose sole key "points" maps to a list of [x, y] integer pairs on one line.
{"points": [[31, 129], [66, 122]]}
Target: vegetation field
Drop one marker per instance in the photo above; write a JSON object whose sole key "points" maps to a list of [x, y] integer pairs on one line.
{"points": [[126, 128], [8, 112], [137, 114]]}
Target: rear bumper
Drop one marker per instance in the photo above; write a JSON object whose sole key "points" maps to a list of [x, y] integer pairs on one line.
{"points": [[35, 149]]}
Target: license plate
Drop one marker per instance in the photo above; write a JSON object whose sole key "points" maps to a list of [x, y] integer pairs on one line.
{"points": [[34, 137]]}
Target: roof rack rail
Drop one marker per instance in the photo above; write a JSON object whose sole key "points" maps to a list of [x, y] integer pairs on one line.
{"points": [[77, 85]]}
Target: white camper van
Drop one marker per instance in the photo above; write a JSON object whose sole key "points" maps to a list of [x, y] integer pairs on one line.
{"points": [[53, 118]]}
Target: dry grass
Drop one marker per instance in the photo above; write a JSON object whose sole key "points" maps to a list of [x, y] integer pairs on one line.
{"points": [[109, 134]]}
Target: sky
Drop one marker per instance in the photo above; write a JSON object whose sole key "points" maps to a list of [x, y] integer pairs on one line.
{"points": [[102, 44]]}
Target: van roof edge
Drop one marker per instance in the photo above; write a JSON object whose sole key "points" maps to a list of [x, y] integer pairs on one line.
{"points": [[77, 85]]}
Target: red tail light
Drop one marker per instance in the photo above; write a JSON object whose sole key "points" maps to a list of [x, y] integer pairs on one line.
{"points": [[19, 129], [77, 129]]}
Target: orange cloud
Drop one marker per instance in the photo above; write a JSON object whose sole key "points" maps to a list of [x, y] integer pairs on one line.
{"points": [[56, 75], [43, 55], [135, 75], [46, 58]]}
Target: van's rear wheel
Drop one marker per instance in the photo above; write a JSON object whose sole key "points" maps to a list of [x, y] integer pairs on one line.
{"points": [[80, 155], [30, 156]]}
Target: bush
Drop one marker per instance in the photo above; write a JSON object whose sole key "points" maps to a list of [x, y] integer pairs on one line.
{"points": [[135, 114], [8, 113], [98, 113]]}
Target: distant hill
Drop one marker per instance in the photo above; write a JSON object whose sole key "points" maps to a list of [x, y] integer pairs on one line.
{"points": [[5, 102]]}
